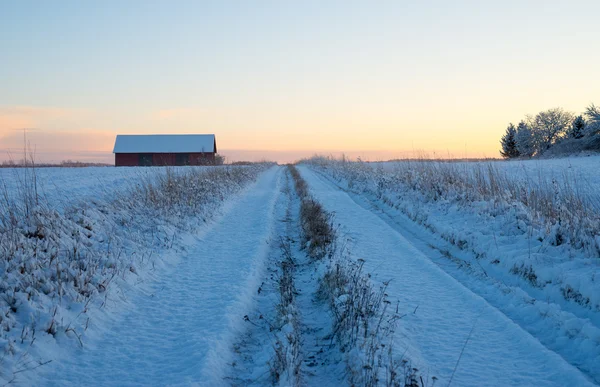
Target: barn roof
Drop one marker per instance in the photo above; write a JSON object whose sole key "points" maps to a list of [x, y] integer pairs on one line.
{"points": [[165, 143]]}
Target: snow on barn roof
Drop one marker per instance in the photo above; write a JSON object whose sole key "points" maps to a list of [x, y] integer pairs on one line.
{"points": [[165, 143]]}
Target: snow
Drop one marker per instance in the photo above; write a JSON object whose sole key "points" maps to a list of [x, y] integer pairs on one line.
{"points": [[62, 186], [580, 169], [270, 324], [72, 264], [556, 258], [179, 330], [582, 172], [164, 143], [206, 310], [252, 347], [441, 311]]}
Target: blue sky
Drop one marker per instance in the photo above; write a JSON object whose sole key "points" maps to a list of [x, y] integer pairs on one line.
{"points": [[293, 76]]}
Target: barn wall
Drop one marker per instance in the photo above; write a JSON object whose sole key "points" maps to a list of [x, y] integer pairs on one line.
{"points": [[126, 159], [202, 158], [162, 159]]}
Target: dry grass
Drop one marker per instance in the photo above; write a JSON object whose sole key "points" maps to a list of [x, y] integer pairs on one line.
{"points": [[286, 363], [558, 208], [363, 317], [318, 232], [56, 260]]}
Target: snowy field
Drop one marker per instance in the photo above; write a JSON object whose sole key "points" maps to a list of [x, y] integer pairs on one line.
{"points": [[208, 276], [178, 330], [531, 259], [61, 186], [439, 312], [584, 172], [73, 256], [581, 172]]}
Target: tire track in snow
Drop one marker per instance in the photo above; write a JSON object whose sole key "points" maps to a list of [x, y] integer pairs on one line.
{"points": [[178, 332], [562, 328], [254, 348], [499, 352], [322, 362]]}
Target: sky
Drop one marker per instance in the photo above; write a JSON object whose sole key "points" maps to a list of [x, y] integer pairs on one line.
{"points": [[281, 80]]}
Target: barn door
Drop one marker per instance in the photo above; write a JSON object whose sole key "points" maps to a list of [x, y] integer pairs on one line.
{"points": [[145, 160], [182, 159]]}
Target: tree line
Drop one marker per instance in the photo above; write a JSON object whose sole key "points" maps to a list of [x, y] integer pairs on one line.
{"points": [[534, 135]]}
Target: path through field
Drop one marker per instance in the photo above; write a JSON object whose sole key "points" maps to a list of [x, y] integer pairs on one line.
{"points": [[204, 322], [177, 333], [442, 316]]}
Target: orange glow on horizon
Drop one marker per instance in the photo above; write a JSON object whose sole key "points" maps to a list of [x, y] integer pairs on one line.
{"points": [[289, 134]]}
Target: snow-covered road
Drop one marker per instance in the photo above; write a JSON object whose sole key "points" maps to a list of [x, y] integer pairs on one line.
{"points": [[444, 320], [179, 331]]}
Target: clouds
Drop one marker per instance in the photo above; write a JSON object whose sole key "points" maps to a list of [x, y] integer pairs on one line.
{"points": [[29, 117], [54, 134], [14, 119], [54, 146]]}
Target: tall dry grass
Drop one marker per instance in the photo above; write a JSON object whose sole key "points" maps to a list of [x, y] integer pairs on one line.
{"points": [[557, 207], [363, 318], [57, 262]]}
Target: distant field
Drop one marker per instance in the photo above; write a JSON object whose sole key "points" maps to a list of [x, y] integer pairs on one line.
{"points": [[63, 185], [583, 172]]}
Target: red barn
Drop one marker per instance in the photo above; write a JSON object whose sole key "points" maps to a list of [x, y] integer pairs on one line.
{"points": [[164, 149]]}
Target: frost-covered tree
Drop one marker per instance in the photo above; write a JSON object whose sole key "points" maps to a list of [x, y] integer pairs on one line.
{"points": [[509, 143], [592, 114], [525, 140], [577, 127], [549, 126]]}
